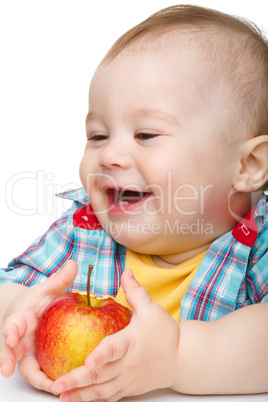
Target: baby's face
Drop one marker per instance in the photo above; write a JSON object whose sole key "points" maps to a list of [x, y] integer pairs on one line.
{"points": [[155, 167]]}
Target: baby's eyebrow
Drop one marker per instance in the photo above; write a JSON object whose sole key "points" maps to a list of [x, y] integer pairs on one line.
{"points": [[92, 115], [156, 114], [150, 113]]}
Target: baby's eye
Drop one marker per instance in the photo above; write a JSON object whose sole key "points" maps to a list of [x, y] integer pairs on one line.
{"points": [[146, 136], [97, 137]]}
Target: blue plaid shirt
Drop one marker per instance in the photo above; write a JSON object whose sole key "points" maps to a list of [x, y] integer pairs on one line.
{"points": [[233, 273]]}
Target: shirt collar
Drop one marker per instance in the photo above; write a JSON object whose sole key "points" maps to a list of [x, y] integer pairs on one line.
{"points": [[78, 194], [246, 231], [261, 211]]}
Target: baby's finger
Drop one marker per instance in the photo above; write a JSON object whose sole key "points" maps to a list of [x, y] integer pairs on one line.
{"points": [[7, 361], [98, 392], [9, 358], [77, 378], [29, 369], [59, 282], [136, 295], [82, 377], [17, 325], [110, 349], [12, 331]]}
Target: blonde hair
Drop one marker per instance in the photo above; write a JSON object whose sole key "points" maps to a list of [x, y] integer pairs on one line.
{"points": [[239, 41]]}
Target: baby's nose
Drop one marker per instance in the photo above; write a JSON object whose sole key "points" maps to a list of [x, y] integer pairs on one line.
{"points": [[116, 153]]}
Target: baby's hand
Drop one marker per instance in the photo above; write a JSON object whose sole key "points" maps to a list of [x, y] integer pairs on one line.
{"points": [[140, 358], [17, 343]]}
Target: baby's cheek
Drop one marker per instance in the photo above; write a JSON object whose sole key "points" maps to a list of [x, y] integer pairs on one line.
{"points": [[83, 171]]}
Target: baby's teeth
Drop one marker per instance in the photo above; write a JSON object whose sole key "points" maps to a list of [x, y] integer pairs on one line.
{"points": [[122, 203]]}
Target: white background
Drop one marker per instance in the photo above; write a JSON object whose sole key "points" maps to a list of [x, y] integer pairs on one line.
{"points": [[49, 51]]}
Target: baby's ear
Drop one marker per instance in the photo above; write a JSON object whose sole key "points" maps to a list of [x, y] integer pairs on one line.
{"points": [[252, 168]]}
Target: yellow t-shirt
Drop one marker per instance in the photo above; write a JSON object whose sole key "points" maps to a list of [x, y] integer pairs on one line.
{"points": [[166, 286]]}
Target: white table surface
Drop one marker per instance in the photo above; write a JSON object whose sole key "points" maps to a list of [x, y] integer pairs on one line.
{"points": [[15, 389]]}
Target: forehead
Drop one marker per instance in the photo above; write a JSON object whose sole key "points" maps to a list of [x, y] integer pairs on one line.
{"points": [[152, 67], [149, 84], [147, 78]]}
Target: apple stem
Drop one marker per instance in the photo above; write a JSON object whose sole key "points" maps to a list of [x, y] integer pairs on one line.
{"points": [[90, 267]]}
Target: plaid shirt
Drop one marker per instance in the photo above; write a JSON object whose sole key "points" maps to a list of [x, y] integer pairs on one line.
{"points": [[233, 273]]}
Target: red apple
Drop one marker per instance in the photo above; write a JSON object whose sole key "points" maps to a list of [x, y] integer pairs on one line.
{"points": [[70, 328]]}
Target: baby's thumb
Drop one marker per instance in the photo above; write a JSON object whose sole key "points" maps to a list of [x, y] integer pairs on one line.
{"points": [[59, 282], [136, 296]]}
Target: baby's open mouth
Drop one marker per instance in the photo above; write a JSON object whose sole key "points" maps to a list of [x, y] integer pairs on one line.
{"points": [[125, 197]]}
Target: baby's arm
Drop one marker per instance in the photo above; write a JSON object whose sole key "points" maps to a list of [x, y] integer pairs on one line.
{"points": [[228, 356], [20, 309]]}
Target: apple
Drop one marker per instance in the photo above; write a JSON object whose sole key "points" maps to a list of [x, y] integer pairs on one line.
{"points": [[72, 325]]}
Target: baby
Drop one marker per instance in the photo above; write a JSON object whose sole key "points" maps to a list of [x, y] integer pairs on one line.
{"points": [[172, 215]]}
